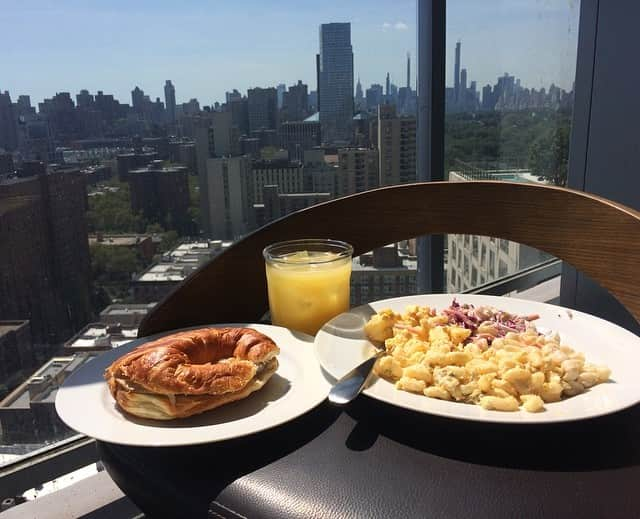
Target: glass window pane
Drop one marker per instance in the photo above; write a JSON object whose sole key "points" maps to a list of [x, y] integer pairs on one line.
{"points": [[133, 179], [510, 72]]}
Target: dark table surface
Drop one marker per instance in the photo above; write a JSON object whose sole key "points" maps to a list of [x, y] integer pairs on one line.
{"points": [[373, 460]]}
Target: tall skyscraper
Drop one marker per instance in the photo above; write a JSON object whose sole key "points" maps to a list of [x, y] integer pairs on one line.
{"points": [[84, 99], [234, 94], [317, 103], [487, 98], [8, 130], [24, 105], [205, 150], [227, 184], [296, 102], [137, 99], [409, 70], [313, 101], [358, 170], [281, 89], [170, 101], [62, 116], [463, 82], [396, 142], [387, 91], [374, 96], [263, 108], [456, 74], [239, 108], [335, 88]]}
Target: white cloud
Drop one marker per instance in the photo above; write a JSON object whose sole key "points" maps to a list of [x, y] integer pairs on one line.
{"points": [[398, 26]]}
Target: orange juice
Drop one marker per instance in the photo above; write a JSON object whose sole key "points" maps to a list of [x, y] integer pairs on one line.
{"points": [[308, 288]]}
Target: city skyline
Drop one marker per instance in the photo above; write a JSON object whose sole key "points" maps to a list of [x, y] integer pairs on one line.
{"points": [[380, 43]]}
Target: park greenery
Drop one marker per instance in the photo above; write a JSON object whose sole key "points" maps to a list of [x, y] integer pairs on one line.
{"points": [[109, 212], [537, 140]]}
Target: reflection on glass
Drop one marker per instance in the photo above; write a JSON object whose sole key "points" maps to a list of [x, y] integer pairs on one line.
{"points": [[509, 102]]}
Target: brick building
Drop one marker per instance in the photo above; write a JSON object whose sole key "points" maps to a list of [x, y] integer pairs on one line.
{"points": [[129, 161], [16, 354], [162, 195], [44, 265]]}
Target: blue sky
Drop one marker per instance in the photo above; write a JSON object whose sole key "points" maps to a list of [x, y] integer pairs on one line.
{"points": [[209, 47]]}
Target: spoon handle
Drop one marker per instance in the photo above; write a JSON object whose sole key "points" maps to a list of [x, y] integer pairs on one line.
{"points": [[349, 386]]}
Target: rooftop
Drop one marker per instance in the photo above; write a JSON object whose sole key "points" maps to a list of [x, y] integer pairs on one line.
{"points": [[43, 385], [505, 175], [178, 263], [167, 272], [10, 326], [132, 308], [314, 118], [125, 240], [408, 263], [305, 195], [101, 336]]}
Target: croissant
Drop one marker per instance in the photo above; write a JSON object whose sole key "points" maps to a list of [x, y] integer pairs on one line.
{"points": [[190, 372]]}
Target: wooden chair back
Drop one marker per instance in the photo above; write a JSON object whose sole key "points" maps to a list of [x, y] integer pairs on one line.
{"points": [[597, 236]]}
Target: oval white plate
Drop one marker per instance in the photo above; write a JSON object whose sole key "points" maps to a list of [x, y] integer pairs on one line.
{"points": [[341, 344], [85, 404]]}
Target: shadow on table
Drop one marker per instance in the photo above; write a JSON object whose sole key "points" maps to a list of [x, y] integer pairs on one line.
{"points": [[182, 481], [587, 445]]}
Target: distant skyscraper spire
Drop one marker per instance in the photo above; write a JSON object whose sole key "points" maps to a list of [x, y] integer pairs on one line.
{"points": [[456, 73], [387, 91], [359, 104], [408, 70], [170, 101]]}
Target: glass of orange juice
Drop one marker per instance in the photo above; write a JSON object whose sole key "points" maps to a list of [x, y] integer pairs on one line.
{"points": [[308, 282]]}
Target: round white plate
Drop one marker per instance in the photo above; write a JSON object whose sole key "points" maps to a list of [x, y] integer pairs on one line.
{"points": [[85, 404], [341, 344]]}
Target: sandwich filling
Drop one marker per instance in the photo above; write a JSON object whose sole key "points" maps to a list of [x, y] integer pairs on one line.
{"points": [[140, 401]]}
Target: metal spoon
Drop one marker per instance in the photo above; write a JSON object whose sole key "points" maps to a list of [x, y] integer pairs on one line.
{"points": [[349, 386]]}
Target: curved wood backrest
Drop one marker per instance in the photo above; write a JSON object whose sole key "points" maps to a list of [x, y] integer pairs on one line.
{"points": [[598, 237]]}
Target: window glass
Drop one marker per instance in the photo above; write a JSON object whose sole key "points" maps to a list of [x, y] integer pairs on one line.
{"points": [[510, 72], [131, 177]]}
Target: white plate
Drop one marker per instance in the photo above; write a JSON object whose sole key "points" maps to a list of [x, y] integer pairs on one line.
{"points": [[341, 344], [85, 404]]}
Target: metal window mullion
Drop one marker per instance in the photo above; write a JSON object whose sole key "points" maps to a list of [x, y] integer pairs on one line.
{"points": [[579, 145], [431, 16], [50, 463]]}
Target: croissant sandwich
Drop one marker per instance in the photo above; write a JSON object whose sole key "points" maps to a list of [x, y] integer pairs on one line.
{"points": [[190, 372]]}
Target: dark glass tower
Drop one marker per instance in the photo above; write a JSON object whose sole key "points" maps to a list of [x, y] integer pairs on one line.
{"points": [[335, 92], [170, 101]]}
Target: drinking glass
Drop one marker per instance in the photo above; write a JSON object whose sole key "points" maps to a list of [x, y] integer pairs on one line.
{"points": [[308, 282]]}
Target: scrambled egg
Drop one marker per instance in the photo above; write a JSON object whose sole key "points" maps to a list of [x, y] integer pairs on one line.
{"points": [[426, 355]]}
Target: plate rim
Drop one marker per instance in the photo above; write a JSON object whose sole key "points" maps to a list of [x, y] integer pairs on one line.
{"points": [[177, 442], [492, 417]]}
